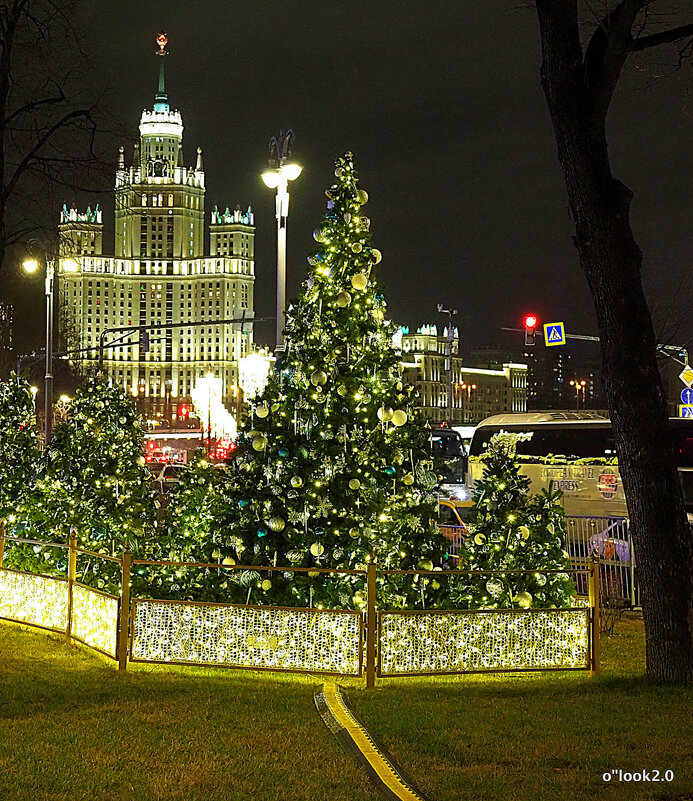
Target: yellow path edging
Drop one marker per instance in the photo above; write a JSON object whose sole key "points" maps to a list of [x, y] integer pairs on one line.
{"points": [[379, 764]]}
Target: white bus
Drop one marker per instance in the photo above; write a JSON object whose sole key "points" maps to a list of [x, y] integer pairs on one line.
{"points": [[576, 451]]}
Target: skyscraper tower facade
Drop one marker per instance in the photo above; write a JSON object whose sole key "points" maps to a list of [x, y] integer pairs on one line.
{"points": [[159, 274]]}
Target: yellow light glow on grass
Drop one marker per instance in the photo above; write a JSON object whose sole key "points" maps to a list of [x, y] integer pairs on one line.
{"points": [[247, 637], [457, 642]]}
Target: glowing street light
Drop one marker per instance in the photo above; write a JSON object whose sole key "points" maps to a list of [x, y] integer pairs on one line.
{"points": [[280, 171]]}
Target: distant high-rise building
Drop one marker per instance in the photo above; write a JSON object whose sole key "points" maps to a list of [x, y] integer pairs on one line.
{"points": [[477, 392], [159, 273]]}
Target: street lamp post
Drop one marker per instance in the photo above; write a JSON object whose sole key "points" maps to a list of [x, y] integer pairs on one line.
{"points": [[448, 359], [280, 171], [32, 266], [580, 386], [469, 388]]}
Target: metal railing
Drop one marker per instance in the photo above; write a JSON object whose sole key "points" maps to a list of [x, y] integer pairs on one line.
{"points": [[610, 539]]}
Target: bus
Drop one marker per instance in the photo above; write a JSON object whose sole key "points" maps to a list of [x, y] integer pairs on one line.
{"points": [[576, 451]]}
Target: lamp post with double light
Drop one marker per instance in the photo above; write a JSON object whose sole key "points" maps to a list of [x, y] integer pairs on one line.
{"points": [[32, 266], [281, 169], [580, 386]]}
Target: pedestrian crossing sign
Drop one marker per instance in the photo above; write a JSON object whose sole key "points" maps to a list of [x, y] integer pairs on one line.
{"points": [[685, 410], [554, 334]]}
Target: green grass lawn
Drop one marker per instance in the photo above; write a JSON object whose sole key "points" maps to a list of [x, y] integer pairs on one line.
{"points": [[72, 728]]}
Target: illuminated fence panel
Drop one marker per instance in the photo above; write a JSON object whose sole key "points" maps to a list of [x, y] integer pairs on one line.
{"points": [[247, 637], [95, 619], [458, 642], [36, 600]]}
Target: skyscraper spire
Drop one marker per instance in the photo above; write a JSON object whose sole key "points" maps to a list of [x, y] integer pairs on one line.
{"points": [[161, 99]]}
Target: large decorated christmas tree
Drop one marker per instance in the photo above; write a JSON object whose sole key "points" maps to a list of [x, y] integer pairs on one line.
{"points": [[333, 469], [93, 477], [513, 530]]}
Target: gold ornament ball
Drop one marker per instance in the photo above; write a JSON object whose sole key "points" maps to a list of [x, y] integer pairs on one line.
{"points": [[313, 573], [377, 256], [228, 561], [362, 197], [399, 418], [266, 585], [317, 549], [523, 599], [141, 461], [318, 235], [343, 300], [259, 443], [385, 413], [357, 247], [425, 564], [342, 390], [262, 410], [296, 481], [359, 598], [408, 479], [276, 523], [318, 378], [354, 484], [353, 533], [347, 217], [359, 281]]}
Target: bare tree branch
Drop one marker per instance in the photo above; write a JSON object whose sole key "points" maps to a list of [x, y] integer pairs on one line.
{"points": [[663, 37]]}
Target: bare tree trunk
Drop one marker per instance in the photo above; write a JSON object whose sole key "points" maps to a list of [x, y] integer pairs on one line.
{"points": [[612, 260]]}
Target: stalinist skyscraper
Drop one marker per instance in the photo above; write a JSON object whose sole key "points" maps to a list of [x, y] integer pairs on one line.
{"points": [[159, 273]]}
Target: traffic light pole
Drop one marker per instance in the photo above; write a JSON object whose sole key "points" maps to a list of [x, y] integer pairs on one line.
{"points": [[127, 330], [661, 348]]}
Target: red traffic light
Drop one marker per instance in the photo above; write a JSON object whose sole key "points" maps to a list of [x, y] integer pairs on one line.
{"points": [[183, 411], [531, 321]]}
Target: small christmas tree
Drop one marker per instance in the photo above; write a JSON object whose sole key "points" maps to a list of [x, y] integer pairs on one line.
{"points": [[195, 519], [512, 530], [93, 477], [333, 469], [20, 456]]}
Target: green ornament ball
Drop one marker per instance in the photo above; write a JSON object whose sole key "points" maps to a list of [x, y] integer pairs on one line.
{"points": [[318, 378]]}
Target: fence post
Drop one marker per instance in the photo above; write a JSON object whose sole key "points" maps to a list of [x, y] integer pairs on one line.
{"points": [[370, 625], [594, 615], [124, 610], [2, 541], [71, 572]]}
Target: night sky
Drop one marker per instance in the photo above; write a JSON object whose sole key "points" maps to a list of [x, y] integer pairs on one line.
{"points": [[442, 107]]}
